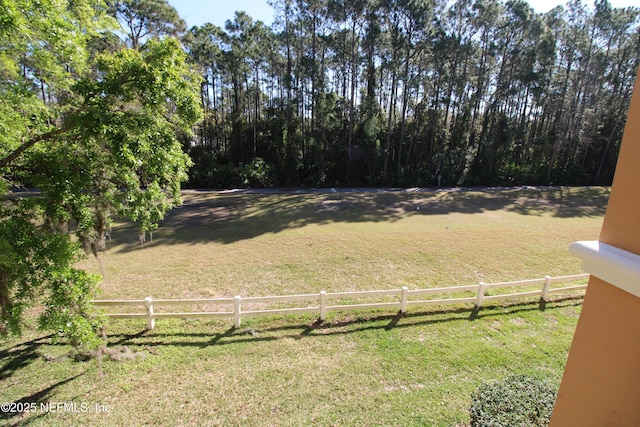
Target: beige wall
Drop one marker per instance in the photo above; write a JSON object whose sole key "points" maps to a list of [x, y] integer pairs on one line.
{"points": [[601, 382], [621, 226]]}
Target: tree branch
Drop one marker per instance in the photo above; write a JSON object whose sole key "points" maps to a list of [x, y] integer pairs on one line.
{"points": [[30, 143]]}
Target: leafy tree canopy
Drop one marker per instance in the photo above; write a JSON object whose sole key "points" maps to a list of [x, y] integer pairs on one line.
{"points": [[94, 130]]}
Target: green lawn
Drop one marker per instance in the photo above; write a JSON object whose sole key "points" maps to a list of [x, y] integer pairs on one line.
{"points": [[362, 368]]}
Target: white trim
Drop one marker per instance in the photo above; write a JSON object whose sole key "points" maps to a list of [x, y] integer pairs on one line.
{"points": [[609, 263]]}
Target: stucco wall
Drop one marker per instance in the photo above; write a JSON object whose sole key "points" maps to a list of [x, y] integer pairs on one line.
{"points": [[601, 382]]}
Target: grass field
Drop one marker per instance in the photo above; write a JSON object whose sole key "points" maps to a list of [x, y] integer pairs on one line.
{"points": [[367, 368]]}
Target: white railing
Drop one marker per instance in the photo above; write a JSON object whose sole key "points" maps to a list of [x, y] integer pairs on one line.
{"points": [[403, 298], [613, 265]]}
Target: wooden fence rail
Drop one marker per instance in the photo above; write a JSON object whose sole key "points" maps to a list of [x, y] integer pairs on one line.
{"points": [[402, 299]]}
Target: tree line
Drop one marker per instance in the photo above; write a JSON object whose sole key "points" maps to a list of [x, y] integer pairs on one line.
{"points": [[414, 93]]}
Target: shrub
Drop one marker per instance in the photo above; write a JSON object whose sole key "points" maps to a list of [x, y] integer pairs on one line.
{"points": [[256, 173], [516, 401]]}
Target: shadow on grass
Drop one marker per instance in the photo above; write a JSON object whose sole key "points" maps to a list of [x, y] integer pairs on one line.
{"points": [[33, 399], [21, 355], [347, 326], [564, 202], [231, 217]]}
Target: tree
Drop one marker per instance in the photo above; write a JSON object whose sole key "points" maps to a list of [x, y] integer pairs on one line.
{"points": [[147, 18], [95, 133], [204, 45]]}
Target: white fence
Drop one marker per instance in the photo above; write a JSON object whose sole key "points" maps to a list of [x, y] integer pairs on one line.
{"points": [[401, 299]]}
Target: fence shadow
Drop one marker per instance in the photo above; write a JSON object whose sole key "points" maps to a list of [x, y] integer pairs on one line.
{"points": [[350, 325]]}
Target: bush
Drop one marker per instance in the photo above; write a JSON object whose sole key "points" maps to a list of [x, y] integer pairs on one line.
{"points": [[212, 169], [516, 401], [256, 174]]}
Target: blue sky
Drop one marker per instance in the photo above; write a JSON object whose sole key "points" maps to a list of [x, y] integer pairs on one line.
{"points": [[197, 12]]}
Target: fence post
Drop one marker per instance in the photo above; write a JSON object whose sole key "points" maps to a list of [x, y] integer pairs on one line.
{"points": [[545, 288], [236, 311], [480, 299], [323, 305], [403, 299], [151, 322]]}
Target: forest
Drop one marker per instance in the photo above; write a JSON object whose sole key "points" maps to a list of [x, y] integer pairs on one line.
{"points": [[399, 92], [414, 93]]}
